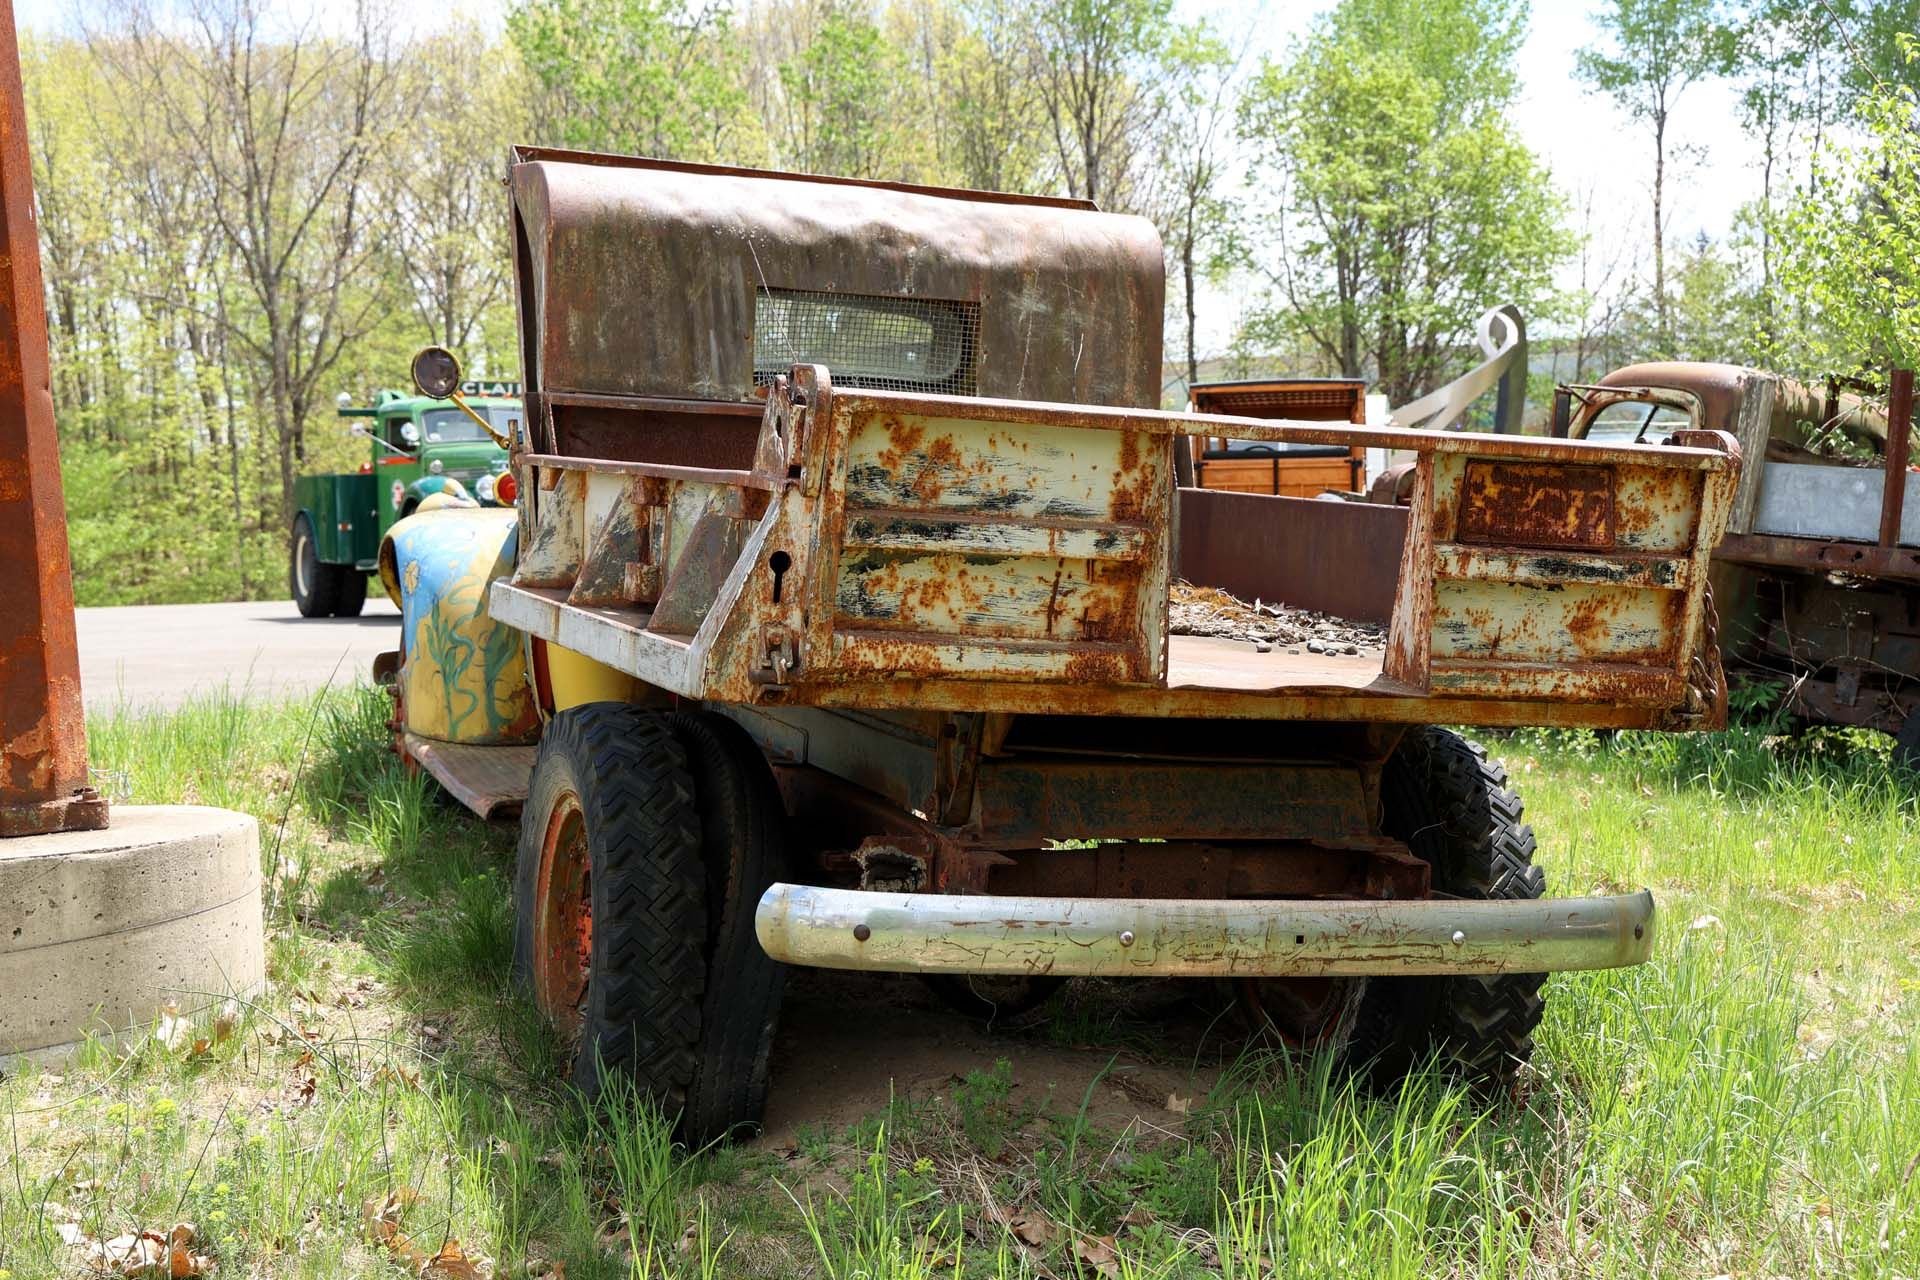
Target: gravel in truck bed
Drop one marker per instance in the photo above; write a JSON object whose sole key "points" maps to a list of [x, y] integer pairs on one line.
{"points": [[1209, 611]]}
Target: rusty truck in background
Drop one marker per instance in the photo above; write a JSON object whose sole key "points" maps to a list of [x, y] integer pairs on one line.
{"points": [[831, 628], [1818, 578]]}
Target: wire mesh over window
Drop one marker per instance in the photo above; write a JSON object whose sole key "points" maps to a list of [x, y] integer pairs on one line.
{"points": [[868, 341]]}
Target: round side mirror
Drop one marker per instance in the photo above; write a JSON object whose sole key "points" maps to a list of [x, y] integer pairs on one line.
{"points": [[411, 434], [436, 371]]}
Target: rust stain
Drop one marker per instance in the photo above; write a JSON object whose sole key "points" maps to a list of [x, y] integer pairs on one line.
{"points": [[903, 443], [1537, 504]]}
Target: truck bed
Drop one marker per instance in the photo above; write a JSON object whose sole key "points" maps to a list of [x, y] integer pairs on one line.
{"points": [[887, 550]]}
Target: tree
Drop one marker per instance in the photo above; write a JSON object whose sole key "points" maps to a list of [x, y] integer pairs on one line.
{"points": [[1401, 204], [989, 105], [1097, 66], [450, 237], [1658, 49], [286, 125], [638, 77], [836, 94], [1194, 129], [1850, 249]]}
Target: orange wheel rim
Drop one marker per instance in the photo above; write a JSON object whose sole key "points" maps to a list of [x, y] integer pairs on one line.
{"points": [[563, 920]]}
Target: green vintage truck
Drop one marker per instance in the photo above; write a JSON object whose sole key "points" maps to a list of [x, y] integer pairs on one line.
{"points": [[419, 447]]}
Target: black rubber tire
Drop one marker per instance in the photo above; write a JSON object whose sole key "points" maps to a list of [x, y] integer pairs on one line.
{"points": [[743, 844], [1906, 743], [353, 592], [1453, 808], [647, 969], [321, 581]]}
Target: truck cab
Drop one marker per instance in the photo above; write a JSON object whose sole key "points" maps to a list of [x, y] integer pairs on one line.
{"points": [[419, 449]]}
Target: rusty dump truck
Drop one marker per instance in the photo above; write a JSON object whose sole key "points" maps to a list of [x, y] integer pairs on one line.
{"points": [[831, 628]]}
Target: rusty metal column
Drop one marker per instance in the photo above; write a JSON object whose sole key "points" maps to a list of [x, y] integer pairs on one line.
{"points": [[1893, 491], [43, 737]]}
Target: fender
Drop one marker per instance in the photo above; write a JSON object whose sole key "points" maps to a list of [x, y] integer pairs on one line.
{"points": [[462, 676], [436, 491]]}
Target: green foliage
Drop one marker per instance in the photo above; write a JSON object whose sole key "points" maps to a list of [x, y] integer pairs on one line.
{"points": [[838, 92], [1403, 204], [1096, 63], [640, 77], [990, 105], [1849, 250], [1659, 48]]}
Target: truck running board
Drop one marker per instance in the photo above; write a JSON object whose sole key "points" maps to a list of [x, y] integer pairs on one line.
{"points": [[492, 781]]}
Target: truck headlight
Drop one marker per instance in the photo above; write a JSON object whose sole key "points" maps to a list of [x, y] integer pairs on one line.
{"points": [[483, 488]]}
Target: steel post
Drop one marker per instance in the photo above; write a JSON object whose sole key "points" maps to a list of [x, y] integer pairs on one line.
{"points": [[1899, 423], [43, 740]]}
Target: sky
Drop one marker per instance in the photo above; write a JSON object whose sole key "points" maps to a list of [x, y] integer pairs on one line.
{"points": [[1584, 140]]}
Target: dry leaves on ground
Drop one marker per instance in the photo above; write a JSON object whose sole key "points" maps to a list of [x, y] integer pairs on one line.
{"points": [[1098, 1254], [145, 1254], [383, 1226]]}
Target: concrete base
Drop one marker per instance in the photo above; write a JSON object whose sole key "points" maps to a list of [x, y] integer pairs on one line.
{"points": [[101, 929]]}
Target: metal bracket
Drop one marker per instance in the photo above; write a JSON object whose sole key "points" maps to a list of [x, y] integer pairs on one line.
{"points": [[779, 655]]}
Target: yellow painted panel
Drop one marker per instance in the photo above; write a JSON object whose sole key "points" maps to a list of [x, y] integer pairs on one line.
{"points": [[577, 679], [1024, 597], [1577, 622], [1011, 469]]}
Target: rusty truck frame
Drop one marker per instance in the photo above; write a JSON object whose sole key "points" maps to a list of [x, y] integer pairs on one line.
{"points": [[841, 571]]}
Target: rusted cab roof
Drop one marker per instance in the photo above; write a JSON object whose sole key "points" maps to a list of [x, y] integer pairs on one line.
{"points": [[1719, 387], [1792, 409], [640, 277]]}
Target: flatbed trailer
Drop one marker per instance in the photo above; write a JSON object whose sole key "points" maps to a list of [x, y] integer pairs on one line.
{"points": [[839, 587]]}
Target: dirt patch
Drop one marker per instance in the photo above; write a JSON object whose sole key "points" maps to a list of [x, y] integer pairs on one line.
{"points": [[852, 1043], [1209, 611]]}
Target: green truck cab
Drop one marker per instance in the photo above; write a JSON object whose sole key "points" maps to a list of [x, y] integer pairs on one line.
{"points": [[419, 448]]}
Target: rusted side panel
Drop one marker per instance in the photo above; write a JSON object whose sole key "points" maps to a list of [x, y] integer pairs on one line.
{"points": [[1057, 555], [1575, 581], [1557, 622], [43, 740], [1537, 504], [1410, 636]]}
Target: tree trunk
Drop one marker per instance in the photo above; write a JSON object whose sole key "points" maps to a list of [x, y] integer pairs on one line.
{"points": [[1186, 271], [1664, 334]]}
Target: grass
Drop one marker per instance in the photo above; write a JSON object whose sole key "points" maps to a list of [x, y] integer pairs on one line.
{"points": [[1747, 1104]]}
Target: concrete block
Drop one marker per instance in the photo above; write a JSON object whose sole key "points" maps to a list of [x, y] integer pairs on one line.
{"points": [[101, 929]]}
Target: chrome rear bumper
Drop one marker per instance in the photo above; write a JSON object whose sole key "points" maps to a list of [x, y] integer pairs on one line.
{"points": [[1117, 937]]}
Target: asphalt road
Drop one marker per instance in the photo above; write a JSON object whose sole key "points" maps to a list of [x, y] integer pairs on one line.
{"points": [[156, 655]]}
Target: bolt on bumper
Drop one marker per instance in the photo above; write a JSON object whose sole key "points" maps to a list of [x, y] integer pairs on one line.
{"points": [[1120, 937]]}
